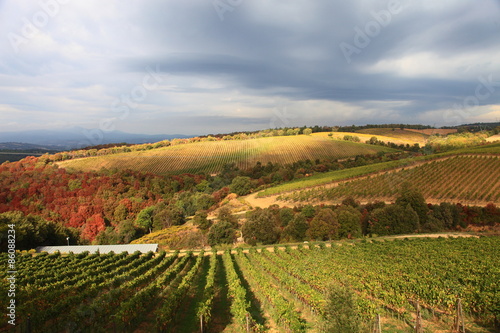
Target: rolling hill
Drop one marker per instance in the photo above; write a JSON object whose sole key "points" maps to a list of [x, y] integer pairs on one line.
{"points": [[470, 175], [466, 179], [211, 156], [385, 135], [405, 135]]}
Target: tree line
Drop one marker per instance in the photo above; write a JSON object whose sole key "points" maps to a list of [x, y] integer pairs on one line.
{"points": [[409, 214]]}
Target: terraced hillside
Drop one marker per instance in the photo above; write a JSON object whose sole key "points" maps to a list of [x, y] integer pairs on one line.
{"points": [[211, 156]]}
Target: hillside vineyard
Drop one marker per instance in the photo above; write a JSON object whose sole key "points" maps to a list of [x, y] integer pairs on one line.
{"points": [[178, 292], [466, 179], [211, 156], [312, 232]]}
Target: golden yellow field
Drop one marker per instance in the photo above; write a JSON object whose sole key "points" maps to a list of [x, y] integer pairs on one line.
{"points": [[397, 135], [211, 156]]}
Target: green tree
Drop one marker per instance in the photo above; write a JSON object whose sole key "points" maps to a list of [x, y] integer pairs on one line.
{"points": [[410, 222], [433, 224], [446, 214], [200, 219], [221, 233], [144, 219], [225, 215], [349, 219], [412, 197], [296, 230], [352, 138], [167, 216], [307, 131], [308, 211], [260, 228], [394, 219], [286, 215], [241, 185], [350, 201], [203, 186], [107, 236], [204, 201], [186, 201], [324, 226], [341, 312], [120, 213], [33, 231], [127, 232], [319, 230]]}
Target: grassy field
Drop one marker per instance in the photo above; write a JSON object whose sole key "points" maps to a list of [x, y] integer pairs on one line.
{"points": [[211, 156], [335, 176]]}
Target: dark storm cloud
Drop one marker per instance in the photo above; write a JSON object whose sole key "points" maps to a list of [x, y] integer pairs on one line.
{"points": [[259, 55], [409, 59]]}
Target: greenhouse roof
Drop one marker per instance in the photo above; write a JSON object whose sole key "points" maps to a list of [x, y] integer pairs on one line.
{"points": [[130, 248]]}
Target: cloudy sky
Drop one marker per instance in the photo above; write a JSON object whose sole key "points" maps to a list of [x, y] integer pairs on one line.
{"points": [[198, 67]]}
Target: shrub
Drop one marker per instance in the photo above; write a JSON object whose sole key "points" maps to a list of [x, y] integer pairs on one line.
{"points": [[241, 185], [341, 313]]}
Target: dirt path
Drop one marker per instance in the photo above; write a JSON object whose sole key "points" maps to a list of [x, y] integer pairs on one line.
{"points": [[493, 138], [437, 235], [267, 201]]}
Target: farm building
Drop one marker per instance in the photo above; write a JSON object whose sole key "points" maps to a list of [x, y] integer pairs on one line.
{"points": [[130, 248]]}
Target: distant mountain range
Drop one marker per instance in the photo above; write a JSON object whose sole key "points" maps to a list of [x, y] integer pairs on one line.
{"points": [[25, 147], [79, 137], [75, 137]]}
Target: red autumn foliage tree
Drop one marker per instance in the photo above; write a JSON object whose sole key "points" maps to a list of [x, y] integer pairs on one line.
{"points": [[93, 226], [82, 200]]}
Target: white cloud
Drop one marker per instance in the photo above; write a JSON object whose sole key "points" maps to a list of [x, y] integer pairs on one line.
{"points": [[432, 65]]}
